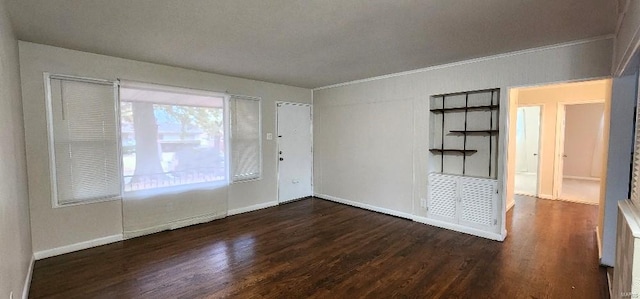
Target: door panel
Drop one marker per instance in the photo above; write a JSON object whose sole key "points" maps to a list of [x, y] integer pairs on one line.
{"points": [[294, 151], [478, 198], [443, 197], [527, 150]]}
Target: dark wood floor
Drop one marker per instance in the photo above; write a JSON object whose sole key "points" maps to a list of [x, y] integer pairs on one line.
{"points": [[315, 248]]}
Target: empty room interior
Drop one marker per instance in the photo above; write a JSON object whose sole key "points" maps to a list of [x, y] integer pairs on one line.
{"points": [[325, 149]]}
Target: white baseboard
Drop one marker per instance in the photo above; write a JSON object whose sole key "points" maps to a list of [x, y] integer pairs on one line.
{"points": [[545, 196], [365, 206], [574, 200], [173, 225], [599, 243], [524, 194], [424, 220], [43, 254], [27, 279], [460, 228], [583, 178], [610, 283], [510, 205], [252, 208]]}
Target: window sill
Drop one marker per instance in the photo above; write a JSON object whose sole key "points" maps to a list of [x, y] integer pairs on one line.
{"points": [[163, 191]]}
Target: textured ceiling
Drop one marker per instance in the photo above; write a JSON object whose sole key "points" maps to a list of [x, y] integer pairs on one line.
{"points": [[308, 43]]}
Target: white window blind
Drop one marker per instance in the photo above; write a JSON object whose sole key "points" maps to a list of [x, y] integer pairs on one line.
{"points": [[246, 143], [83, 139]]}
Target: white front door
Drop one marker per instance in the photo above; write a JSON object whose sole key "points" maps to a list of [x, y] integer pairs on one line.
{"points": [[294, 151]]}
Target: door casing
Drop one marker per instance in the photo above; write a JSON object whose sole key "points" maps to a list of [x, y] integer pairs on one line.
{"points": [[277, 156]]}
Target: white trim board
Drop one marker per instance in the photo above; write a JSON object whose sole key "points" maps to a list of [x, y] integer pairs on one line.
{"points": [[173, 225], [77, 246], [27, 279], [571, 177], [460, 228], [469, 61], [132, 234], [365, 206], [599, 243], [545, 196], [523, 194], [511, 205], [424, 220], [252, 208], [580, 201]]}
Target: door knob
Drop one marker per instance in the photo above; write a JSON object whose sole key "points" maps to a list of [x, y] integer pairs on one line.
{"points": [[535, 154], [281, 159]]}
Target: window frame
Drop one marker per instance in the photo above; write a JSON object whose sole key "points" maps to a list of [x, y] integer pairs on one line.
{"points": [[51, 138], [260, 142], [116, 84], [143, 193]]}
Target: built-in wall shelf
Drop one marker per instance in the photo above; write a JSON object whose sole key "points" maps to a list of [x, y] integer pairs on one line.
{"points": [[452, 151], [463, 162], [470, 108], [463, 124], [471, 132]]}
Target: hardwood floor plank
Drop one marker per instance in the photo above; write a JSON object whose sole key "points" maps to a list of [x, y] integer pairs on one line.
{"points": [[318, 249]]}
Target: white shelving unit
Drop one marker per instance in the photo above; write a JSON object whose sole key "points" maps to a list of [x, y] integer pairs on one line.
{"points": [[463, 185]]}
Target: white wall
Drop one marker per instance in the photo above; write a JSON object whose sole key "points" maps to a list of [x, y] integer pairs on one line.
{"points": [[583, 140], [54, 228], [15, 232], [621, 131], [627, 40], [371, 137]]}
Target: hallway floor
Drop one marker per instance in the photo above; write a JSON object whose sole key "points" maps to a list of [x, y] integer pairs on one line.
{"points": [[575, 190], [583, 191]]}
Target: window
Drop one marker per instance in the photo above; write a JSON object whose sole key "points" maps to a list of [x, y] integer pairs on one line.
{"points": [[149, 138], [171, 136], [246, 143], [83, 142]]}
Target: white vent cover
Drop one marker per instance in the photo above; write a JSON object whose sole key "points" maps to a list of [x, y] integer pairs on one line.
{"points": [[477, 201], [468, 202], [443, 192]]}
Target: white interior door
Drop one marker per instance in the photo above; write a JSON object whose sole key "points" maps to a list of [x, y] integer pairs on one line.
{"points": [[294, 151], [527, 150]]}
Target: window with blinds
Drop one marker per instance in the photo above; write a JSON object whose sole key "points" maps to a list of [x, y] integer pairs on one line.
{"points": [[106, 140], [83, 139], [246, 143]]}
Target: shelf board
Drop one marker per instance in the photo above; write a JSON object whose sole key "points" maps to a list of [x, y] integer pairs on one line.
{"points": [[452, 150], [469, 132], [472, 108]]}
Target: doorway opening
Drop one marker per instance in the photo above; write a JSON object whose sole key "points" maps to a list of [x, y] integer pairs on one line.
{"points": [[582, 144], [557, 148], [527, 148]]}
